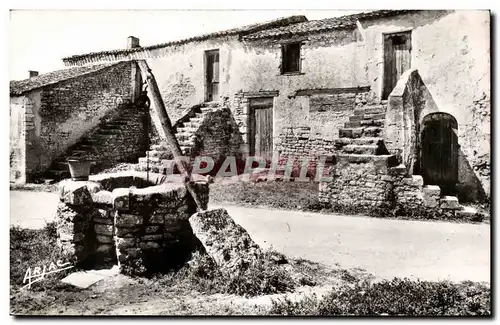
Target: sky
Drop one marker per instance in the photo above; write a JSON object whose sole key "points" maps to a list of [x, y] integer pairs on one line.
{"points": [[39, 39]]}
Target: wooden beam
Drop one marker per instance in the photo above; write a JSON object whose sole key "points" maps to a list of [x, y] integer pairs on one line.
{"points": [[331, 91], [166, 124]]}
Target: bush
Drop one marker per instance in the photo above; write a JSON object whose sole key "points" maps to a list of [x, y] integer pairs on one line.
{"points": [[308, 306], [399, 297], [266, 276], [261, 278]]}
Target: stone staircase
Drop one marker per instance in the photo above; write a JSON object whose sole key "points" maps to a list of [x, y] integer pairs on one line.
{"points": [[159, 158], [361, 141], [362, 135], [87, 145]]}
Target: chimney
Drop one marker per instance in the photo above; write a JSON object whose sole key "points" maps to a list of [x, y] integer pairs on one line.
{"points": [[132, 42], [33, 73]]}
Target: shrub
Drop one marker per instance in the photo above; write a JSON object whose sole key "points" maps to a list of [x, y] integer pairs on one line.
{"points": [[399, 297], [307, 306], [266, 276], [261, 278]]}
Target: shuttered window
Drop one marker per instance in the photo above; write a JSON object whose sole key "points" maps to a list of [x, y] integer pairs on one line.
{"points": [[290, 58]]}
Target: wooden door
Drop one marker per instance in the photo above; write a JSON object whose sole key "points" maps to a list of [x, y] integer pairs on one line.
{"points": [[440, 151], [397, 59], [261, 135], [212, 75]]}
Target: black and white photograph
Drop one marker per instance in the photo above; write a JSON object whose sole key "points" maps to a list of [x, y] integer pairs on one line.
{"points": [[250, 162]]}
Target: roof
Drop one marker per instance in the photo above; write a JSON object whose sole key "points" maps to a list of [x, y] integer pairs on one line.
{"points": [[342, 22], [18, 87], [243, 30]]}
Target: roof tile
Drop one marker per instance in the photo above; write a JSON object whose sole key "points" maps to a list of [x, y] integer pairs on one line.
{"points": [[18, 87]]}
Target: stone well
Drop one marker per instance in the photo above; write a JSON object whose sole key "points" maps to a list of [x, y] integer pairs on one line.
{"points": [[137, 221]]}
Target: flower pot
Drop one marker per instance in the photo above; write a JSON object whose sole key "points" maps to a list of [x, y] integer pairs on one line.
{"points": [[79, 169]]}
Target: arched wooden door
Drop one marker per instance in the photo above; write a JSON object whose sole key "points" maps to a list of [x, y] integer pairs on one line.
{"points": [[440, 151]]}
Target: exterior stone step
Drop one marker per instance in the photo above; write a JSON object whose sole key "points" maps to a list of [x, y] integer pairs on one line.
{"points": [[151, 160], [186, 149], [150, 168], [365, 141], [88, 141], [184, 136], [377, 116], [467, 213], [85, 147], [364, 122], [362, 149], [192, 124], [186, 129], [372, 122], [363, 158], [376, 109], [373, 131], [355, 118], [350, 132], [163, 154], [160, 147], [381, 163], [450, 203], [108, 131], [110, 126]]}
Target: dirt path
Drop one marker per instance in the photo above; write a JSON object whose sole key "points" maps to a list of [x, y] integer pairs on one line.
{"points": [[386, 248], [32, 209]]}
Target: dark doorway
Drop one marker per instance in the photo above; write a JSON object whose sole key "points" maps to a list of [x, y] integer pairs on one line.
{"points": [[397, 59], [212, 75], [261, 127], [440, 151]]}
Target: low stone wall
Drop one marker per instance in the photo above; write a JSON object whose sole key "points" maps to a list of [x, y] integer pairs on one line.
{"points": [[359, 182], [374, 185], [130, 218]]}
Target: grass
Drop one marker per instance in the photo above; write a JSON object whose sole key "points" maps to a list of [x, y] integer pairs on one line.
{"points": [[398, 297], [303, 196], [199, 289], [189, 290], [278, 195]]}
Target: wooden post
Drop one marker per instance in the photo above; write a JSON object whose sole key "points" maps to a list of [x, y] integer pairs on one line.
{"points": [[166, 124]]}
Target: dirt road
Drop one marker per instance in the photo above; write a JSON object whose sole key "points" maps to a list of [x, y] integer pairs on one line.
{"points": [[387, 248]]}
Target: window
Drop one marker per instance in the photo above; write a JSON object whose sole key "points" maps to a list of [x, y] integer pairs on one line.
{"points": [[290, 58]]}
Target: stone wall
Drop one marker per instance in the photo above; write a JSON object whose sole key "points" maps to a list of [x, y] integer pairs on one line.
{"points": [[120, 137], [374, 185], [359, 183], [56, 116], [70, 109], [297, 145], [329, 112], [126, 219], [17, 143], [218, 136]]}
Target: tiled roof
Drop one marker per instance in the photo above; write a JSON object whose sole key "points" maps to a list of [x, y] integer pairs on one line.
{"points": [[348, 21], [244, 30], [18, 87]]}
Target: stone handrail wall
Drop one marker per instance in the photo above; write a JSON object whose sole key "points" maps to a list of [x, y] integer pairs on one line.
{"points": [[405, 104]]}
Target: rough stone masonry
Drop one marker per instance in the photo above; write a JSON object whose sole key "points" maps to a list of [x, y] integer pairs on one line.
{"points": [[134, 220]]}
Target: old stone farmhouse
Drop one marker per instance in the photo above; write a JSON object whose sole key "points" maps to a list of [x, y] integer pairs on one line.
{"points": [[413, 85]]}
